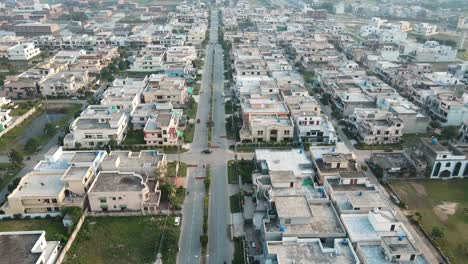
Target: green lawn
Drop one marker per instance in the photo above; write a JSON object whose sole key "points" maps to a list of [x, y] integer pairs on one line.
{"points": [[238, 252], [171, 169], [134, 137], [8, 171], [234, 201], [430, 198], [53, 227], [228, 107], [189, 133], [120, 240], [232, 179], [22, 108], [192, 109], [246, 167]]}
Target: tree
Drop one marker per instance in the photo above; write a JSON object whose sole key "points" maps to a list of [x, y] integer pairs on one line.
{"points": [[16, 157], [435, 124], [437, 232], [112, 143], [49, 129], [449, 132], [32, 144]]}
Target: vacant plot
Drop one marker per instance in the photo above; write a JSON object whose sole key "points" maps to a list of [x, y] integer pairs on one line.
{"points": [[235, 201], [245, 167], [172, 166], [55, 231], [443, 205], [8, 172], [124, 240]]}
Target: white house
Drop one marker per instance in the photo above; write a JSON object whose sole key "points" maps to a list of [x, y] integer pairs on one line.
{"points": [[25, 51]]}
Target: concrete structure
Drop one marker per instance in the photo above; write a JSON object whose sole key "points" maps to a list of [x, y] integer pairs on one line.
{"points": [[61, 179], [96, 126], [375, 126], [267, 128], [311, 250], [161, 130], [28, 247], [23, 52], [447, 160]]}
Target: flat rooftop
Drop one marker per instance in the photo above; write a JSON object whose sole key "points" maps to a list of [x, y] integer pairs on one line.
{"points": [[16, 248], [373, 254], [311, 251], [117, 182], [292, 206], [294, 160], [76, 173], [360, 199], [399, 245], [324, 222], [40, 184]]}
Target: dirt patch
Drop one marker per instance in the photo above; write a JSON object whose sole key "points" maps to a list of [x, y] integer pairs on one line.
{"points": [[444, 210], [419, 188]]}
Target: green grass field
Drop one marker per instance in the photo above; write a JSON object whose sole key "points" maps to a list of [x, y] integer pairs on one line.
{"points": [[171, 169], [119, 240], [441, 204], [55, 231]]}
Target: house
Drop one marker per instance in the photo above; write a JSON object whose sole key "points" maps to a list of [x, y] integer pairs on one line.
{"points": [[446, 160], [267, 128], [65, 83], [310, 250], [61, 179], [23, 52], [5, 118], [376, 126], [124, 94], [161, 130], [352, 193], [332, 163], [96, 126], [162, 89], [117, 191], [142, 112], [28, 247], [425, 29]]}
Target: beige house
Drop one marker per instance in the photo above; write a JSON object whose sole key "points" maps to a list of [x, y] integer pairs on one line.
{"points": [[61, 179], [28, 247], [124, 191], [267, 128]]}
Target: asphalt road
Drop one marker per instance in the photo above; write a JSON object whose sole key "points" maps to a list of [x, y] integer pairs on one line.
{"points": [[219, 247]]}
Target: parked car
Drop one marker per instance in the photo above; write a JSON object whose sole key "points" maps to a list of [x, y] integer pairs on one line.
{"points": [[177, 221], [198, 120], [206, 151]]}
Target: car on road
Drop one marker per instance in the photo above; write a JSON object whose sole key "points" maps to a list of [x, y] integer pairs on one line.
{"points": [[177, 221], [198, 120], [206, 151], [74, 98]]}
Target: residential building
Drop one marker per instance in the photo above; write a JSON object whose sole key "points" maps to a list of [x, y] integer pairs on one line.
{"points": [[5, 118], [310, 250], [23, 52], [376, 126], [143, 112], [96, 126], [267, 128], [61, 179], [28, 247], [446, 160], [161, 130]]}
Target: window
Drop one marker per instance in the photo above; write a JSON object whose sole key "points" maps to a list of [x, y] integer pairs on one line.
{"points": [[113, 198], [103, 199], [286, 132], [287, 221], [54, 200], [260, 133]]}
